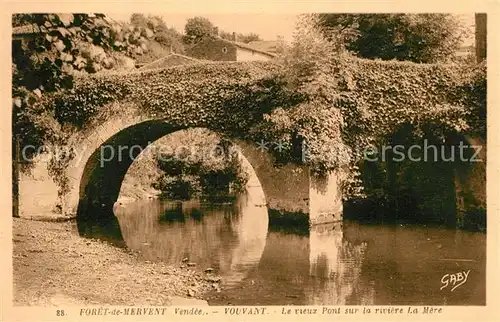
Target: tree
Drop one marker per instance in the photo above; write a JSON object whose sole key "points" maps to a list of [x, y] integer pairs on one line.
{"points": [[198, 163], [45, 61], [422, 38], [167, 38], [170, 39], [226, 35], [138, 20], [197, 28], [153, 23], [246, 38]]}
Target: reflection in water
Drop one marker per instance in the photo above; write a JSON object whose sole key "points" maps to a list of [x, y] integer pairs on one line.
{"points": [[252, 231], [335, 268], [336, 264], [228, 238], [405, 264], [319, 268], [95, 221]]}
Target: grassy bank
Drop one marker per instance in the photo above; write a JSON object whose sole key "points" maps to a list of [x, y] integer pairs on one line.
{"points": [[53, 265]]}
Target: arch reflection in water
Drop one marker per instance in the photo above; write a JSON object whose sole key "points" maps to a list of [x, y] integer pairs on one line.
{"points": [[352, 264], [315, 267], [228, 238], [335, 269], [100, 224]]}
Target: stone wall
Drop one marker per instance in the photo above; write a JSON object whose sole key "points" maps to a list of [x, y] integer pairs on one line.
{"points": [[38, 192], [325, 203]]}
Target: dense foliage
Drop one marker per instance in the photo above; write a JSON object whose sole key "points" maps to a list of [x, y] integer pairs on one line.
{"points": [[48, 50], [52, 48], [209, 170], [47, 60], [422, 38], [244, 38], [320, 104], [255, 101], [196, 28], [164, 40]]}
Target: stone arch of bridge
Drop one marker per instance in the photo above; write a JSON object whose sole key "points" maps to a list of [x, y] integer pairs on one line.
{"points": [[102, 172], [105, 152]]}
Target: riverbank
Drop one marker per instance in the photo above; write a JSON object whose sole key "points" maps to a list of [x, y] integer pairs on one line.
{"points": [[53, 265]]}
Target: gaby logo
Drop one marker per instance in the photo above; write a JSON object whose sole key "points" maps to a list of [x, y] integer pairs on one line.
{"points": [[454, 280]]}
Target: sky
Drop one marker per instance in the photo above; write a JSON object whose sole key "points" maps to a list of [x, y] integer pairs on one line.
{"points": [[267, 26]]}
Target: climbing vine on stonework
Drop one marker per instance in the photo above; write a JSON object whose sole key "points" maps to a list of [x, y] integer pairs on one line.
{"points": [[321, 105], [257, 101]]}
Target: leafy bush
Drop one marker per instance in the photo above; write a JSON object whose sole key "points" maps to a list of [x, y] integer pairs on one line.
{"points": [[58, 47], [186, 176], [244, 38], [421, 38], [177, 188], [196, 28], [475, 219]]}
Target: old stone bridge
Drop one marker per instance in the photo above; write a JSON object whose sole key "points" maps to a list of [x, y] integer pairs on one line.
{"points": [[112, 118]]}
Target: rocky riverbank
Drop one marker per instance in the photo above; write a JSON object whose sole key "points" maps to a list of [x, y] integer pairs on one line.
{"points": [[53, 265]]}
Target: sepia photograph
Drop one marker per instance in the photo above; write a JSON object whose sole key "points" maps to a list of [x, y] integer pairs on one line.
{"points": [[328, 163]]}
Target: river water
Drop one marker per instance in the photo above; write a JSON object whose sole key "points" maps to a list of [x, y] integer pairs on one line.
{"points": [[337, 264]]}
